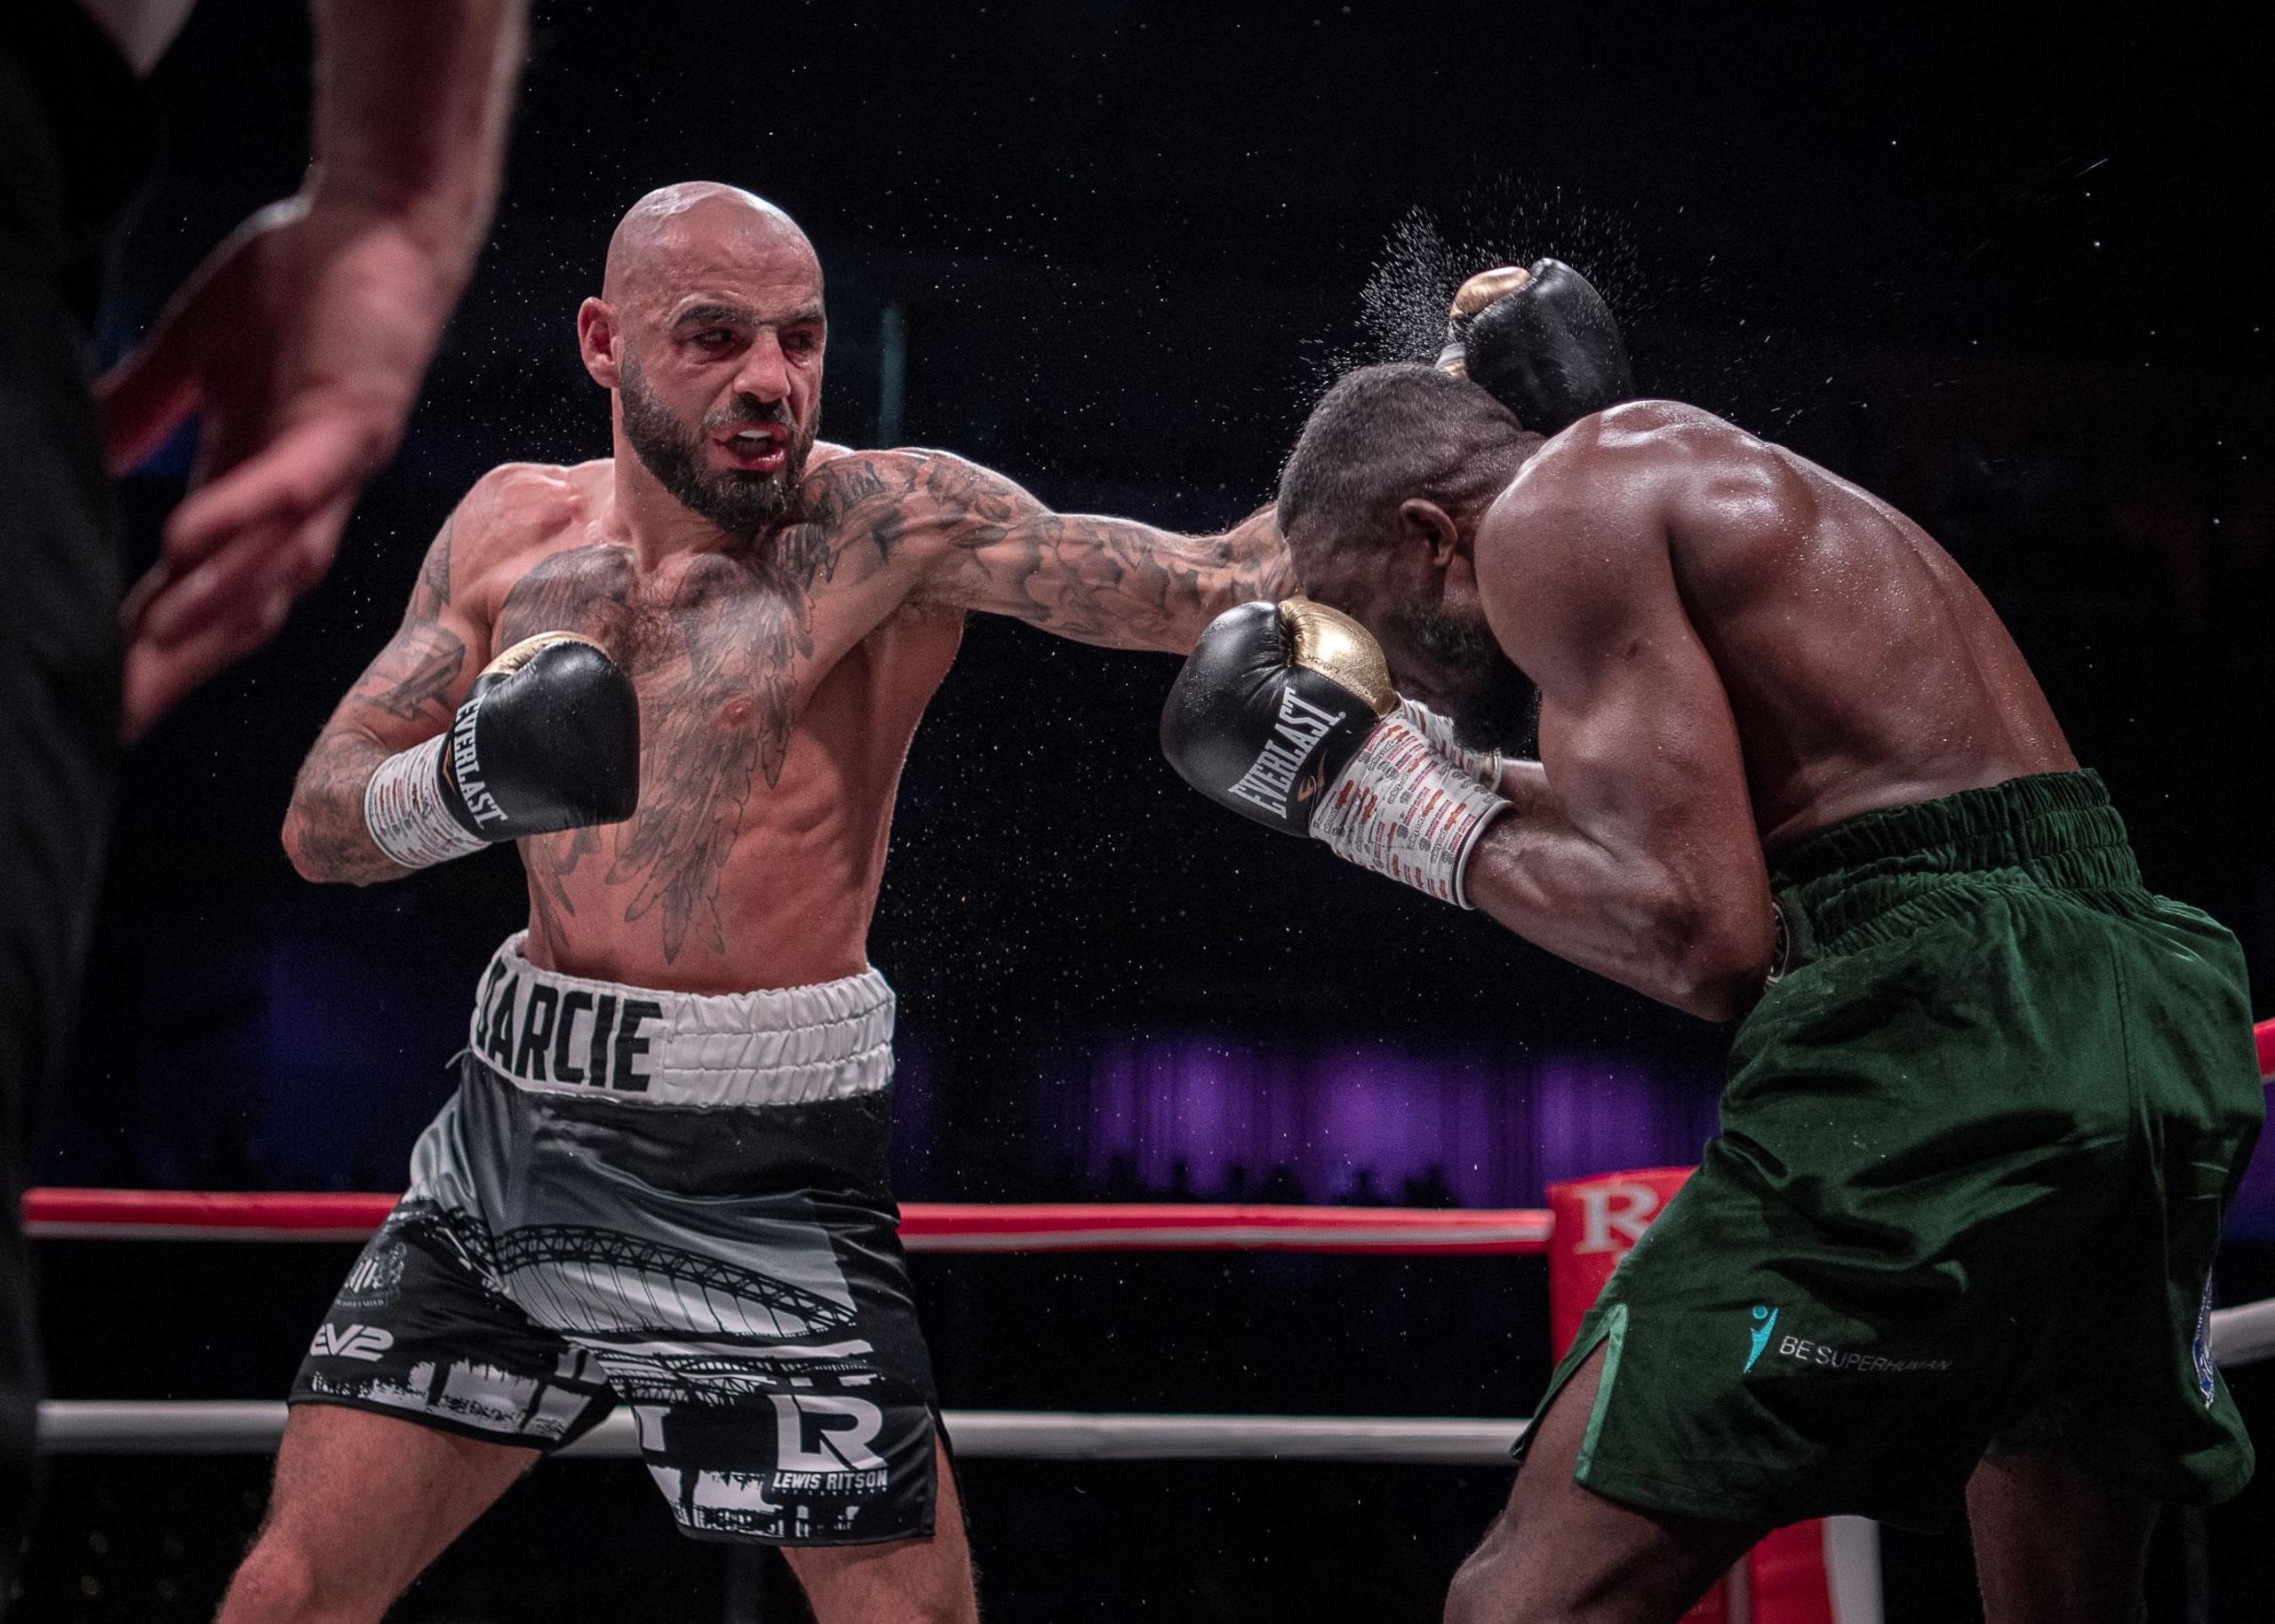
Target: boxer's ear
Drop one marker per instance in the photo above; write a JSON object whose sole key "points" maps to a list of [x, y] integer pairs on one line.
{"points": [[597, 340], [1423, 521]]}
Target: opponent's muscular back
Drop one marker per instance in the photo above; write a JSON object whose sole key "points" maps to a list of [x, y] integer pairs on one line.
{"points": [[780, 682], [1861, 668]]}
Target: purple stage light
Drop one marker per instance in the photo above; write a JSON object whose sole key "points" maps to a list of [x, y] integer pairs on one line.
{"points": [[1357, 1119]]}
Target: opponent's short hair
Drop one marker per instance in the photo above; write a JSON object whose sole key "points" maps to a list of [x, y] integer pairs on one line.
{"points": [[1384, 435]]}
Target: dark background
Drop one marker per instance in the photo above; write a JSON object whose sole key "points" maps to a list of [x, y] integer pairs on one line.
{"points": [[2009, 277]]}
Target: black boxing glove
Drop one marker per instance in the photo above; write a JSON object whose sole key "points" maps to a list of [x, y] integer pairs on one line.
{"points": [[1542, 342], [1285, 713], [548, 739]]}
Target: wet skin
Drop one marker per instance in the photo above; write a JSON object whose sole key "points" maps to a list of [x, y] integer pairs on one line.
{"points": [[780, 675], [1734, 649]]}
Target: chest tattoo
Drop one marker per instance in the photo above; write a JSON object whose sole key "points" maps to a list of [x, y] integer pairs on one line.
{"points": [[719, 652]]}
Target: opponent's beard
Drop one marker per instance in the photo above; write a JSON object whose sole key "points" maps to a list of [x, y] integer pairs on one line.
{"points": [[740, 501], [1499, 707]]}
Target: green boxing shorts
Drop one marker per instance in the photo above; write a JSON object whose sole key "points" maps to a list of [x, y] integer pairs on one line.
{"points": [[1976, 1148]]}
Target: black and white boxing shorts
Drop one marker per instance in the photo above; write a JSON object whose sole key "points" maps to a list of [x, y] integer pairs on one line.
{"points": [[673, 1202]]}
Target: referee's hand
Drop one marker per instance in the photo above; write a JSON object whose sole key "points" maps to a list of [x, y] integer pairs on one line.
{"points": [[299, 345]]}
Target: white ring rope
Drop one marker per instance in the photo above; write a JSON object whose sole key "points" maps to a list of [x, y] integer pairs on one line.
{"points": [[2244, 1334], [2241, 1336], [236, 1426]]}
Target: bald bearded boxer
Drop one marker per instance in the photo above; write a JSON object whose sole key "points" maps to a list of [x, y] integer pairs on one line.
{"points": [[683, 679], [1989, 1096]]}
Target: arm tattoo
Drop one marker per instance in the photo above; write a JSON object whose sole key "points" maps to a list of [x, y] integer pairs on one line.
{"points": [[329, 835], [416, 673], [411, 683], [1100, 580], [434, 574]]}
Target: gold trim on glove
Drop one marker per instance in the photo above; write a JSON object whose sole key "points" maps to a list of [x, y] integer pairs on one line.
{"points": [[1473, 296], [1329, 641], [522, 652], [1488, 286]]}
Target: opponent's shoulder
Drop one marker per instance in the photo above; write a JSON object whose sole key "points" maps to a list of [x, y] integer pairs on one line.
{"points": [[1651, 432], [1577, 546], [1665, 457]]}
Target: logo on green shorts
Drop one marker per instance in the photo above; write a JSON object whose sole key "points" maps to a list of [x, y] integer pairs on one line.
{"points": [[1765, 1321]]}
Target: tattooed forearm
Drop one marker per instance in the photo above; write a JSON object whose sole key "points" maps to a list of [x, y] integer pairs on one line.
{"points": [[1129, 585], [415, 683], [408, 693], [1099, 580], [324, 831], [415, 675]]}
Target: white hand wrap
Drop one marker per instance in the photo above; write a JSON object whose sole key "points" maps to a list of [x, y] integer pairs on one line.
{"points": [[404, 810], [1401, 808], [1482, 765]]}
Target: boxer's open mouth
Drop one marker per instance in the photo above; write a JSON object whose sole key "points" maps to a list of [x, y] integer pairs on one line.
{"points": [[761, 449]]}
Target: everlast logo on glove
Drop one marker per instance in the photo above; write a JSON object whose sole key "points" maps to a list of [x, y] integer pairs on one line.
{"points": [[1270, 782], [465, 768], [560, 724], [1242, 725]]}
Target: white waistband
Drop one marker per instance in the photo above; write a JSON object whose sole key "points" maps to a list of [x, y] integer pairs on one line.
{"points": [[565, 1034]]}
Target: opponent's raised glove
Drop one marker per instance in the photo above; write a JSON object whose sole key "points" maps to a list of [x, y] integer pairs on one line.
{"points": [[548, 739], [1285, 713], [1542, 342]]}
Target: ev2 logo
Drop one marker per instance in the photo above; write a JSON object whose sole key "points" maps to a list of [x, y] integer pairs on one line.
{"points": [[352, 1341]]}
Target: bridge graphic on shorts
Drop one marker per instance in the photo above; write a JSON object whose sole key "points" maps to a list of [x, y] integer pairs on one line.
{"points": [[571, 1277], [578, 1279]]}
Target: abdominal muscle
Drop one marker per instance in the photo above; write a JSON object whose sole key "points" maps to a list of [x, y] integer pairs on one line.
{"points": [[737, 884], [790, 906]]}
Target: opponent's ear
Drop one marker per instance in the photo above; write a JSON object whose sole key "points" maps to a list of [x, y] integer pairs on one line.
{"points": [[596, 338], [1432, 526]]}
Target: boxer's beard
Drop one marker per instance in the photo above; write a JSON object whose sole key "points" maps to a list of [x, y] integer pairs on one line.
{"points": [[740, 501], [1496, 708]]}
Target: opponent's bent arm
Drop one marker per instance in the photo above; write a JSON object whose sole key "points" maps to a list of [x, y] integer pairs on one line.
{"points": [[1607, 905], [1631, 850], [1098, 580], [406, 696]]}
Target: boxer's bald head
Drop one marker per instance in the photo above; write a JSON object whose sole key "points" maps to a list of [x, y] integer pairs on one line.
{"points": [[693, 222], [1380, 503], [709, 329]]}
